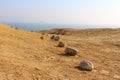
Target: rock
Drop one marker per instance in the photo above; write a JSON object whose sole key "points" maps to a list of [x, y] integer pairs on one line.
{"points": [[41, 37], [56, 38], [61, 44], [86, 65], [71, 51], [16, 28], [52, 37], [31, 31], [43, 33]]}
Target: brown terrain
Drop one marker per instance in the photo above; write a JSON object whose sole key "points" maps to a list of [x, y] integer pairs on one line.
{"points": [[25, 56]]}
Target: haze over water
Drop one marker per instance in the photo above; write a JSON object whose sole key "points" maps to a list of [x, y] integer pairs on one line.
{"points": [[47, 14], [45, 26]]}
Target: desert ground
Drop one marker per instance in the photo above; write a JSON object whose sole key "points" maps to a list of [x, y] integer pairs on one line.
{"points": [[25, 56]]}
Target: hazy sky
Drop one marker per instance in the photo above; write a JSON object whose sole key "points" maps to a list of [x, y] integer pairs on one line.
{"points": [[61, 11]]}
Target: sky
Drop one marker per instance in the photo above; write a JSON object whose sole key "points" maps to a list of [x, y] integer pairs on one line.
{"points": [[61, 11]]}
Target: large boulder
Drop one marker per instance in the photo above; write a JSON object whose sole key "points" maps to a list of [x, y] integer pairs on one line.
{"points": [[61, 44], [86, 65], [71, 51]]}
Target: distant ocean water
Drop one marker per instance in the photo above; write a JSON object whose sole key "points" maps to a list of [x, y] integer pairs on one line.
{"points": [[43, 26]]}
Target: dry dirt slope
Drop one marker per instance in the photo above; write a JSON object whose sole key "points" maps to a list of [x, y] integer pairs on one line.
{"points": [[24, 56]]}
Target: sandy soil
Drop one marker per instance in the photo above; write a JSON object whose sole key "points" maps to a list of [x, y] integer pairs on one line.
{"points": [[24, 56]]}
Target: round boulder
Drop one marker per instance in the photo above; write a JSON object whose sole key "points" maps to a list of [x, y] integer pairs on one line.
{"points": [[86, 65], [61, 44], [52, 37], [56, 38], [71, 51]]}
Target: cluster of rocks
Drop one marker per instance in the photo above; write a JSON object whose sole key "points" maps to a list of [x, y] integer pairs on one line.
{"points": [[14, 27], [55, 37], [84, 64], [59, 32], [71, 51]]}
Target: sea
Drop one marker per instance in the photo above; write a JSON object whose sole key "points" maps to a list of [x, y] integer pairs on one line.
{"points": [[46, 26]]}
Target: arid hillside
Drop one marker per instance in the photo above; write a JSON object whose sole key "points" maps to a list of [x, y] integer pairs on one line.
{"points": [[25, 55]]}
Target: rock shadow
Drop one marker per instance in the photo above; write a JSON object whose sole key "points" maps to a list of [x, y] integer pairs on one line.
{"points": [[64, 54], [78, 67]]}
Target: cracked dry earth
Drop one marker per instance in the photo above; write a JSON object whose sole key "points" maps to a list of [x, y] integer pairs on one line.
{"points": [[24, 56]]}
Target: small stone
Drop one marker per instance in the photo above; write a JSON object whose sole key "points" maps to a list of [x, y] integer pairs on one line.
{"points": [[43, 33], [61, 44], [86, 65], [41, 37], [71, 51]]}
